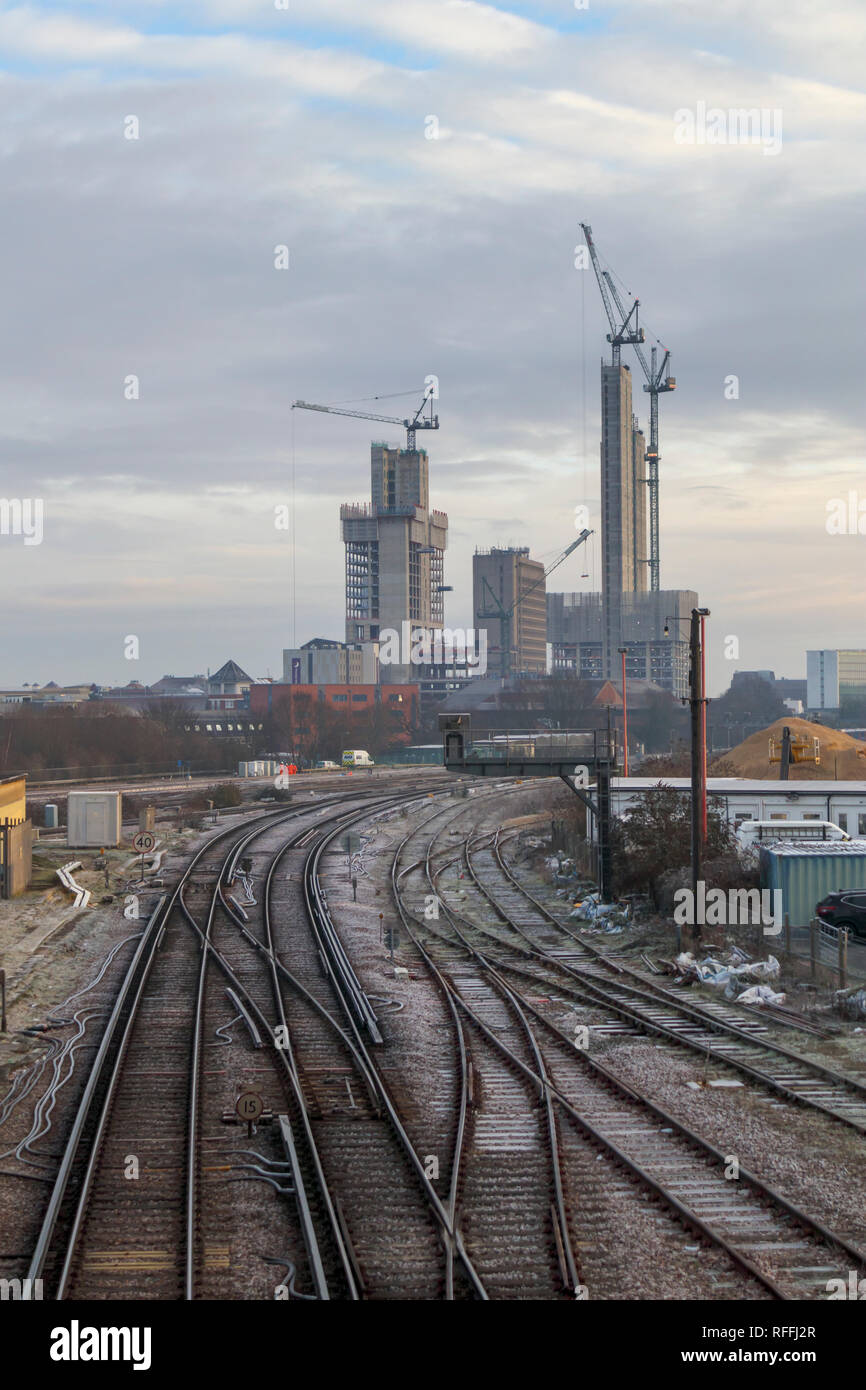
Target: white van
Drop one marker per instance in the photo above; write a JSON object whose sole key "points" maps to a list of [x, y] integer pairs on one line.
{"points": [[751, 832], [357, 757]]}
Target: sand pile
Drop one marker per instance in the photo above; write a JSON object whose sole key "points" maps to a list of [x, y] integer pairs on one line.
{"points": [[838, 753]]}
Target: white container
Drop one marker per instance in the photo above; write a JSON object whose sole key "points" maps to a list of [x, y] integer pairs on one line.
{"points": [[94, 819]]}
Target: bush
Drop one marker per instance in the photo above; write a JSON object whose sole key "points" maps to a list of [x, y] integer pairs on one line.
{"points": [[654, 841], [225, 794]]}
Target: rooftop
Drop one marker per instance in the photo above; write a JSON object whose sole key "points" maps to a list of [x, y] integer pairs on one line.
{"points": [[764, 787]]}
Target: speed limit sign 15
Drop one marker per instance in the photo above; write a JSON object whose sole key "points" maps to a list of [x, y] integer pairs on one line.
{"points": [[249, 1106]]}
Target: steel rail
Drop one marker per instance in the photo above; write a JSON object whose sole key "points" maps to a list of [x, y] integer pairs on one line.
{"points": [[287, 1062], [355, 1043], [107, 1066], [684, 1213], [764, 1189], [596, 992], [565, 1253], [442, 1214], [460, 1034]]}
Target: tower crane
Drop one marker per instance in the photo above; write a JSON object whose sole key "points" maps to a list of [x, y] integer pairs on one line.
{"points": [[506, 614], [658, 379], [621, 330], [418, 421]]}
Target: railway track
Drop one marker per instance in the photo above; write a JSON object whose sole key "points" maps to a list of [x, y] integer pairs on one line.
{"points": [[506, 1186], [554, 953], [145, 1203], [242, 981], [770, 1241], [399, 1233], [139, 1204], [119, 1213]]}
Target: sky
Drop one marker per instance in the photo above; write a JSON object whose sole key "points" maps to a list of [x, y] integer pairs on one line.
{"points": [[427, 165]]}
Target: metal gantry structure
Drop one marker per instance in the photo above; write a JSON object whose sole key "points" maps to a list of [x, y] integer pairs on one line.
{"points": [[418, 422], [506, 614], [625, 329]]}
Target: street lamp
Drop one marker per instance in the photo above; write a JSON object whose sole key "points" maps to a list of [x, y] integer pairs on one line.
{"points": [[622, 652]]}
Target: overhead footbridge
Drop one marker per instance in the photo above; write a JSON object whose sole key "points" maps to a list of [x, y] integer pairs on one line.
{"points": [[572, 754]]}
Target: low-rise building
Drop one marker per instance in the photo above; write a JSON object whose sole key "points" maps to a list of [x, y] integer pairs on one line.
{"points": [[740, 799], [324, 661]]}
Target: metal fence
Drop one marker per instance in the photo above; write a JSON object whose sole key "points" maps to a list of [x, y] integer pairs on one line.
{"points": [[829, 948], [16, 857], [106, 772]]}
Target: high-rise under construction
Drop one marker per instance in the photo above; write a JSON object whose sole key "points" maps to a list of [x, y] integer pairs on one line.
{"points": [[587, 631], [623, 507], [632, 612], [395, 547]]}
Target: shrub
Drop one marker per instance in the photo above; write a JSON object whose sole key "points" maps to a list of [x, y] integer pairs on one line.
{"points": [[225, 794]]}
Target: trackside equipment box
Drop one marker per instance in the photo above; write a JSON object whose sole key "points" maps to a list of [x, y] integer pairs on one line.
{"points": [[93, 819]]}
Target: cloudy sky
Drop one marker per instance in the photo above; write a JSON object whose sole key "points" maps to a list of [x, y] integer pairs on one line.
{"points": [[308, 126]]}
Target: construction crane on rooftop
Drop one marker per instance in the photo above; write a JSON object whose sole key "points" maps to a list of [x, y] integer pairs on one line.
{"points": [[658, 379], [622, 330], [418, 422], [506, 614]]}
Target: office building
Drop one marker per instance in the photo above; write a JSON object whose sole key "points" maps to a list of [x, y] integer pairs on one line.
{"points": [[508, 600], [832, 677], [323, 661]]}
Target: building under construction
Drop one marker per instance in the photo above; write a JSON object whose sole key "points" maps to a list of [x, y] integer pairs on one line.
{"points": [[587, 631], [515, 584], [576, 633], [395, 547]]}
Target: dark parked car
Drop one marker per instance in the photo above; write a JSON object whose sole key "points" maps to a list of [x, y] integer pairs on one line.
{"points": [[846, 908]]}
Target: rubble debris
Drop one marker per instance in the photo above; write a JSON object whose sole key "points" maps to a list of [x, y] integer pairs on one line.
{"points": [[851, 1002], [760, 994], [726, 974], [609, 917]]}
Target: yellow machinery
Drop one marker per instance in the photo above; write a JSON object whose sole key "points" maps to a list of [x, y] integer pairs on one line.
{"points": [[793, 748]]}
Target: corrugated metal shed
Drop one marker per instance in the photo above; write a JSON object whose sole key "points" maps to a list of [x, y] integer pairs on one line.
{"points": [[807, 871]]}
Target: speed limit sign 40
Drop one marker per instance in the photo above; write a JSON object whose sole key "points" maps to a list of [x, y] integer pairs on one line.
{"points": [[143, 842]]}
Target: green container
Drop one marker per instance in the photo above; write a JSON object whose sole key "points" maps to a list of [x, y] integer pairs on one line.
{"points": [[806, 873]]}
